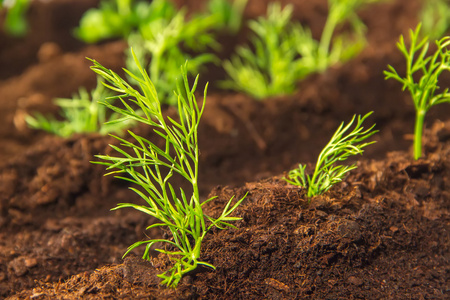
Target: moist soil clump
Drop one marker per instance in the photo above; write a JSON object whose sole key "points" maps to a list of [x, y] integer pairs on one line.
{"points": [[383, 233]]}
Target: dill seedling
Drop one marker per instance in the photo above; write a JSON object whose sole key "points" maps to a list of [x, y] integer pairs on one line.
{"points": [[339, 148], [283, 52], [425, 92], [81, 114], [151, 167]]}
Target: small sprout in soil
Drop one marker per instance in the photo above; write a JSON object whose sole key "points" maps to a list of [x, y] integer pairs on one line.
{"points": [[285, 52], [150, 167], [15, 20], [425, 91], [82, 114], [435, 18], [340, 147]]}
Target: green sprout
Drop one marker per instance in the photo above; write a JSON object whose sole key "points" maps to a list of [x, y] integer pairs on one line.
{"points": [[425, 91], [339, 148], [285, 51], [150, 167], [435, 18], [15, 20], [82, 114]]}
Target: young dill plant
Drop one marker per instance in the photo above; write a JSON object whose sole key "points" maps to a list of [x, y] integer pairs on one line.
{"points": [[151, 167], [273, 66], [339, 148], [81, 114], [284, 52], [424, 90]]}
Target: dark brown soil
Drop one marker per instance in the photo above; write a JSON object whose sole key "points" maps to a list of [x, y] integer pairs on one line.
{"points": [[381, 234]]}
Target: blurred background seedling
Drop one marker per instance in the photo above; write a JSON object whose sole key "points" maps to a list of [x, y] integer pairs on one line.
{"points": [[283, 52], [425, 90], [15, 21], [112, 19], [162, 36], [435, 18], [83, 113]]}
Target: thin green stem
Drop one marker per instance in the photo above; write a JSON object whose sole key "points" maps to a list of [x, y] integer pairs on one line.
{"points": [[420, 117], [325, 41]]}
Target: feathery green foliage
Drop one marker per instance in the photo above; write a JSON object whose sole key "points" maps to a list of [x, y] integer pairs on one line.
{"points": [[339, 148], [151, 167], [283, 52], [425, 92], [343, 47], [82, 114], [273, 68], [162, 37]]}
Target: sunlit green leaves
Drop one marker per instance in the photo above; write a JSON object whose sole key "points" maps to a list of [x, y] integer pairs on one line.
{"points": [[425, 92], [151, 167], [283, 52], [341, 146]]}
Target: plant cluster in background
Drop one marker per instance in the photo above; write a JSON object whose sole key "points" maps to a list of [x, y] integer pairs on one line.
{"points": [[339, 148], [162, 37], [283, 52], [162, 43], [435, 18], [81, 114], [151, 167], [425, 91], [166, 40], [15, 21]]}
